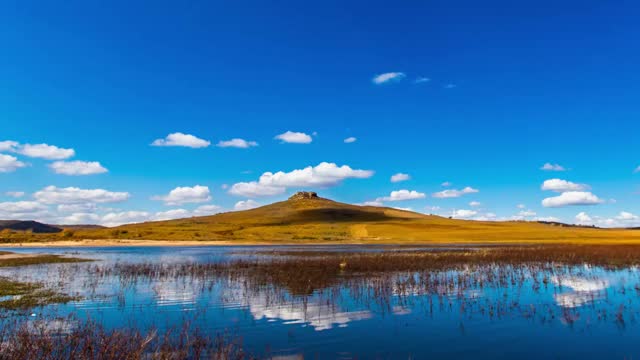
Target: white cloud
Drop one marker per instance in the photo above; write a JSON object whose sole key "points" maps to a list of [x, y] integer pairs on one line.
{"points": [[80, 219], [527, 213], [350, 140], [522, 206], [559, 185], [8, 145], [420, 80], [125, 217], [372, 203], [22, 210], [400, 177], [77, 167], [402, 195], [77, 208], [246, 205], [205, 210], [180, 139], [74, 195], [255, 189], [637, 170], [627, 216], [450, 86], [10, 163], [15, 194], [388, 77], [237, 143], [464, 214], [186, 195], [323, 175], [171, 214], [546, 218], [552, 167], [572, 198], [294, 138], [475, 203], [584, 219], [44, 151], [455, 193]]}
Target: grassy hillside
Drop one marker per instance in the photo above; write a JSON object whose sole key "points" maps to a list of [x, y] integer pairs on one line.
{"points": [[312, 219], [305, 219], [32, 226]]}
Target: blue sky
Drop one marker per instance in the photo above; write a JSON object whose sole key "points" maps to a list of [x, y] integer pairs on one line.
{"points": [[479, 95]]}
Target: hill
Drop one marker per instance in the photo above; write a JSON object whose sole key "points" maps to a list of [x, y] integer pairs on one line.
{"points": [[307, 218], [33, 226]]}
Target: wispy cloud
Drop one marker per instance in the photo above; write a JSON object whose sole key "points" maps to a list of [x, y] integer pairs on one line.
{"points": [[552, 167], [388, 78], [183, 140], [237, 143], [294, 138]]}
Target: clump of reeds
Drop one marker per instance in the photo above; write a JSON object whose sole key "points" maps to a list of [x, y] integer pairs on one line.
{"points": [[90, 340]]}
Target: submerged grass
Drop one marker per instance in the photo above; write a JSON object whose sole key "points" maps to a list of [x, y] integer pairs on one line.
{"points": [[68, 339], [38, 260], [20, 295]]}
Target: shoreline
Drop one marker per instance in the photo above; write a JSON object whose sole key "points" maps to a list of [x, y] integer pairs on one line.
{"points": [[106, 243]]}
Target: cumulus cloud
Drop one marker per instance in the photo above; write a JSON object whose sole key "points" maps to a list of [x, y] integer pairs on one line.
{"points": [[388, 78], [559, 185], [77, 167], [323, 175], [400, 177], [77, 208], [552, 167], [372, 203], [180, 139], [10, 163], [171, 214], [572, 198], [186, 195], [527, 213], [8, 145], [627, 216], [80, 219], [237, 143], [255, 189], [584, 219], [350, 140], [74, 195], [15, 194], [464, 214], [446, 194], [294, 138], [21, 210], [446, 184], [475, 203], [42, 151], [45, 151], [246, 205], [402, 195], [124, 217], [205, 210]]}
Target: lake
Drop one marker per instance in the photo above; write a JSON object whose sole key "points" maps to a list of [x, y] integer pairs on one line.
{"points": [[491, 311]]}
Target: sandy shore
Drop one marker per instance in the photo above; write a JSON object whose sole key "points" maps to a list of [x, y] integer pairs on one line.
{"points": [[120, 242]]}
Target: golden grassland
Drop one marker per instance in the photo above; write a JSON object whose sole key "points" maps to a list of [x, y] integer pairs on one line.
{"points": [[317, 221]]}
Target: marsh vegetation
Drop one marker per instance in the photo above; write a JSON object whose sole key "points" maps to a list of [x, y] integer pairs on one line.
{"points": [[285, 301]]}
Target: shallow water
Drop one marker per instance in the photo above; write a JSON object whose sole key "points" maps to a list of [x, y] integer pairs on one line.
{"points": [[577, 311]]}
